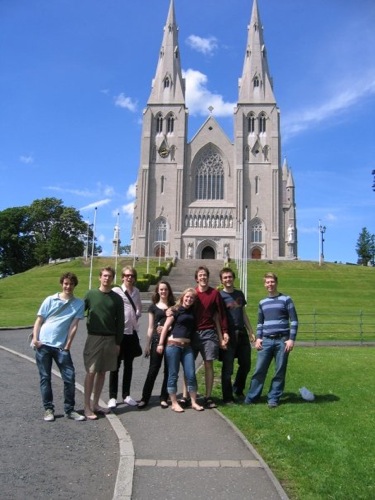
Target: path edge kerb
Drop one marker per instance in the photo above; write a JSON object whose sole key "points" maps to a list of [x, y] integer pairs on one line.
{"points": [[264, 465], [125, 471]]}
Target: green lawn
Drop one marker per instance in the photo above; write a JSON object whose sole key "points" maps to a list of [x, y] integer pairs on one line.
{"points": [[323, 449], [319, 450]]}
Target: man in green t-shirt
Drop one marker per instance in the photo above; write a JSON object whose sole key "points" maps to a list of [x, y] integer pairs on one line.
{"points": [[105, 327]]}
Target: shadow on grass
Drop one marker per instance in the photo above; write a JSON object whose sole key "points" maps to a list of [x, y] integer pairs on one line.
{"points": [[295, 398]]}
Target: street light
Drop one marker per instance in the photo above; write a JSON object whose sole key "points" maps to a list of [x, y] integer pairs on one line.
{"points": [[322, 230]]}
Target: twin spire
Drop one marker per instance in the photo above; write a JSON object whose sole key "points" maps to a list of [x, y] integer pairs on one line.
{"points": [[254, 86]]}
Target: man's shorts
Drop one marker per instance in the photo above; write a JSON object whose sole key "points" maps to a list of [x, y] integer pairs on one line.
{"points": [[206, 343], [100, 353]]}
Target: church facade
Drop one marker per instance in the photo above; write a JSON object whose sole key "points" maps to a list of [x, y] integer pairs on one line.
{"points": [[213, 197]]}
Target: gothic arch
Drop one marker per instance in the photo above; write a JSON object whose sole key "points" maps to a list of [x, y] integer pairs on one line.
{"points": [[207, 249], [256, 253], [257, 230], [209, 173]]}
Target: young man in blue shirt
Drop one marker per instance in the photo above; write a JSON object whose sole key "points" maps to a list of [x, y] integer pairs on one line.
{"points": [[53, 334]]}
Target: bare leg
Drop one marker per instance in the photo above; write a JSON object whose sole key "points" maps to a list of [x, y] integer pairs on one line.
{"points": [[209, 377], [98, 387], [194, 403], [175, 406], [89, 384]]}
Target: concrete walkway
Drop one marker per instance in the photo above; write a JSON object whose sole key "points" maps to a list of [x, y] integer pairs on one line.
{"points": [[153, 453]]}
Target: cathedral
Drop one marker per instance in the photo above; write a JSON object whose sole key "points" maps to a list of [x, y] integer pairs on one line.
{"points": [[213, 197]]}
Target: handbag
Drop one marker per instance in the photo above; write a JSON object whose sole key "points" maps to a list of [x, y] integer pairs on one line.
{"points": [[135, 345]]}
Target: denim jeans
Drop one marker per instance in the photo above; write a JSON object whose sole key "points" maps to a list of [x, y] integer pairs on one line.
{"points": [[185, 356], [156, 360], [272, 349], [44, 357], [242, 351]]}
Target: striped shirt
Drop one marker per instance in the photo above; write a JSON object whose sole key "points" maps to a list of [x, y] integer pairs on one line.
{"points": [[277, 316]]}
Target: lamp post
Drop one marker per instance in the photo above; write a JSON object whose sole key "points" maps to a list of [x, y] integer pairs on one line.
{"points": [[322, 230]]}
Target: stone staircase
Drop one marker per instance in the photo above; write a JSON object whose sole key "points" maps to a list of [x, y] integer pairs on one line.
{"points": [[182, 276]]}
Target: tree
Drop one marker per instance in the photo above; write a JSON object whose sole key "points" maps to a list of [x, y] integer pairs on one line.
{"points": [[58, 230], [16, 241], [126, 249], [364, 247], [31, 235]]}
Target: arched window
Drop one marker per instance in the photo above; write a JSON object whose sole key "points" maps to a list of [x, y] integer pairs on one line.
{"points": [[159, 123], [166, 82], [262, 123], [256, 82], [251, 124], [209, 180], [162, 184], [170, 124], [161, 230], [256, 231]]}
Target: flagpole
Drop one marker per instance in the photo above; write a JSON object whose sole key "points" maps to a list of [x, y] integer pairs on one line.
{"points": [[117, 243], [92, 247]]}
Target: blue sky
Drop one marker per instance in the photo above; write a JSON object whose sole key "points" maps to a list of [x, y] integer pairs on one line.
{"points": [[75, 77]]}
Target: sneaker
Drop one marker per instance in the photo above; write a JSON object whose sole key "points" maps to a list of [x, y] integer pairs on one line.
{"points": [[130, 401], [112, 403], [273, 404], [74, 415], [49, 415]]}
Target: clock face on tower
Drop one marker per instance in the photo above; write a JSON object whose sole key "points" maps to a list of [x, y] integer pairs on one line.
{"points": [[163, 151]]}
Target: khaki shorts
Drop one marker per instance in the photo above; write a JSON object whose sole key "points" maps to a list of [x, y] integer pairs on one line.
{"points": [[100, 353]]}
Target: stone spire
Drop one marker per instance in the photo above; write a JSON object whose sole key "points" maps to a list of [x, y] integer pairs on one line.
{"points": [[255, 85], [168, 86]]}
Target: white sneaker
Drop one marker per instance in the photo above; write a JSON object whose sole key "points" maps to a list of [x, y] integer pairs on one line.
{"points": [[112, 403], [49, 415], [74, 415], [130, 401]]}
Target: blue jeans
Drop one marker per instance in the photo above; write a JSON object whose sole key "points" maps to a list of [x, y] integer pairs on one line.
{"points": [[44, 357], [272, 349], [184, 355]]}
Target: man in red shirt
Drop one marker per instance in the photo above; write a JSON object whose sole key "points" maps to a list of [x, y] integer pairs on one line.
{"points": [[212, 328]]}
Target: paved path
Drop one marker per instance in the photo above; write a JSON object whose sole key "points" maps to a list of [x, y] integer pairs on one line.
{"points": [[135, 454]]}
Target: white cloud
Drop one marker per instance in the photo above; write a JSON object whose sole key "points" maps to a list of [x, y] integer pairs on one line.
{"points": [[128, 209], [79, 192], [199, 98], [27, 159], [206, 46], [96, 204], [131, 192], [342, 101], [125, 102]]}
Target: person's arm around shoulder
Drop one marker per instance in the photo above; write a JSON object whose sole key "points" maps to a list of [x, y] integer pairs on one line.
{"points": [[168, 323]]}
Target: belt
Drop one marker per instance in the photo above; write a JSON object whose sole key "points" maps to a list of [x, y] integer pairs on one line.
{"points": [[177, 343], [276, 336]]}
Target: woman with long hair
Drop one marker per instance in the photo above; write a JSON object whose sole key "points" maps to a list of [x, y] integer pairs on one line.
{"points": [[176, 337], [162, 300]]}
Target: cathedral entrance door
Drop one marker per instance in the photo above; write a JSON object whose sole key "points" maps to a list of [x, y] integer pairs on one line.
{"points": [[256, 254], [208, 253], [160, 251]]}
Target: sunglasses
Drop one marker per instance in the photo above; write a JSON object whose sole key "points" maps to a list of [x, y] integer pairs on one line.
{"points": [[128, 275]]}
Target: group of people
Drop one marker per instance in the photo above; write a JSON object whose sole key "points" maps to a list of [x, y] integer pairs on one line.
{"points": [[203, 320]]}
